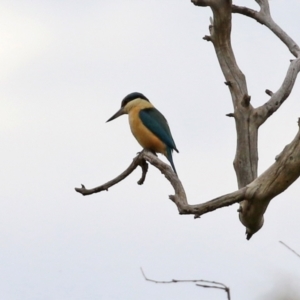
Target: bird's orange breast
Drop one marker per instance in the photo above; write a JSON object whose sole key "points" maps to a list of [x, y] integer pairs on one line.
{"points": [[143, 135]]}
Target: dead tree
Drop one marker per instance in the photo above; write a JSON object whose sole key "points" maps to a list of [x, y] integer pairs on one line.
{"points": [[254, 193]]}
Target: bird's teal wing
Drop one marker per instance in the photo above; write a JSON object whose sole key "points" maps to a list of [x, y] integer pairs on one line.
{"points": [[158, 125]]}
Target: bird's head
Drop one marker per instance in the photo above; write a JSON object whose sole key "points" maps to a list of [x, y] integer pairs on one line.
{"points": [[130, 101]]}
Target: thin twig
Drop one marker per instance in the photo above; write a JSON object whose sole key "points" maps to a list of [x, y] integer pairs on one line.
{"points": [[284, 244], [210, 284]]}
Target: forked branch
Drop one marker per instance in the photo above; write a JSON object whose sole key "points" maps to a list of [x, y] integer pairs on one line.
{"points": [[254, 193], [179, 198], [137, 161], [249, 119], [260, 192]]}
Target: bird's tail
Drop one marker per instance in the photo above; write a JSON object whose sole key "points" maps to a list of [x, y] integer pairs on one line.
{"points": [[170, 159]]}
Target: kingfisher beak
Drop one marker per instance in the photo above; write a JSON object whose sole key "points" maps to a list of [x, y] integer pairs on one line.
{"points": [[119, 113]]}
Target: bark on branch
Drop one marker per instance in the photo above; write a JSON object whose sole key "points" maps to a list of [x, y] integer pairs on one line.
{"points": [[262, 113], [246, 158], [269, 184], [254, 193], [264, 17], [259, 193], [248, 119], [137, 161]]}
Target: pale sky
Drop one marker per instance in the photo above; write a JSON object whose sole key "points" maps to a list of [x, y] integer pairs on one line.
{"points": [[65, 66]]}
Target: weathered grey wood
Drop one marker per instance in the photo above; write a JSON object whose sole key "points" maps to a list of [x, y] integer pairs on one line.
{"points": [[254, 193], [249, 119]]}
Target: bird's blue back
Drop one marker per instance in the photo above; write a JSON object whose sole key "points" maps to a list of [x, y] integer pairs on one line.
{"points": [[158, 125]]}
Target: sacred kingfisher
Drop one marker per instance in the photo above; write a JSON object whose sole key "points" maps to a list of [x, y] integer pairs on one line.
{"points": [[148, 125]]}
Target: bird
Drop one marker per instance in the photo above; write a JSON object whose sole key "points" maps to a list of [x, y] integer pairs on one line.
{"points": [[148, 125]]}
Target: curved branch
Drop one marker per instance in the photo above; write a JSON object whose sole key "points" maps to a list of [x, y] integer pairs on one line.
{"points": [[263, 112], [254, 197], [246, 117], [276, 179], [140, 160], [179, 198], [137, 161], [264, 17], [208, 283], [251, 13], [203, 208]]}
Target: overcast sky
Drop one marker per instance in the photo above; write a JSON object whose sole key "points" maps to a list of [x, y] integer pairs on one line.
{"points": [[65, 66]]}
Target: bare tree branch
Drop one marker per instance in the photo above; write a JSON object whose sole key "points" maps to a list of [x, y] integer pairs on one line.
{"points": [[276, 179], [209, 284], [254, 193], [262, 113], [179, 198], [137, 161], [247, 12], [203, 208], [246, 117], [284, 244], [140, 160], [258, 194], [264, 17], [266, 110], [220, 32], [246, 157]]}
